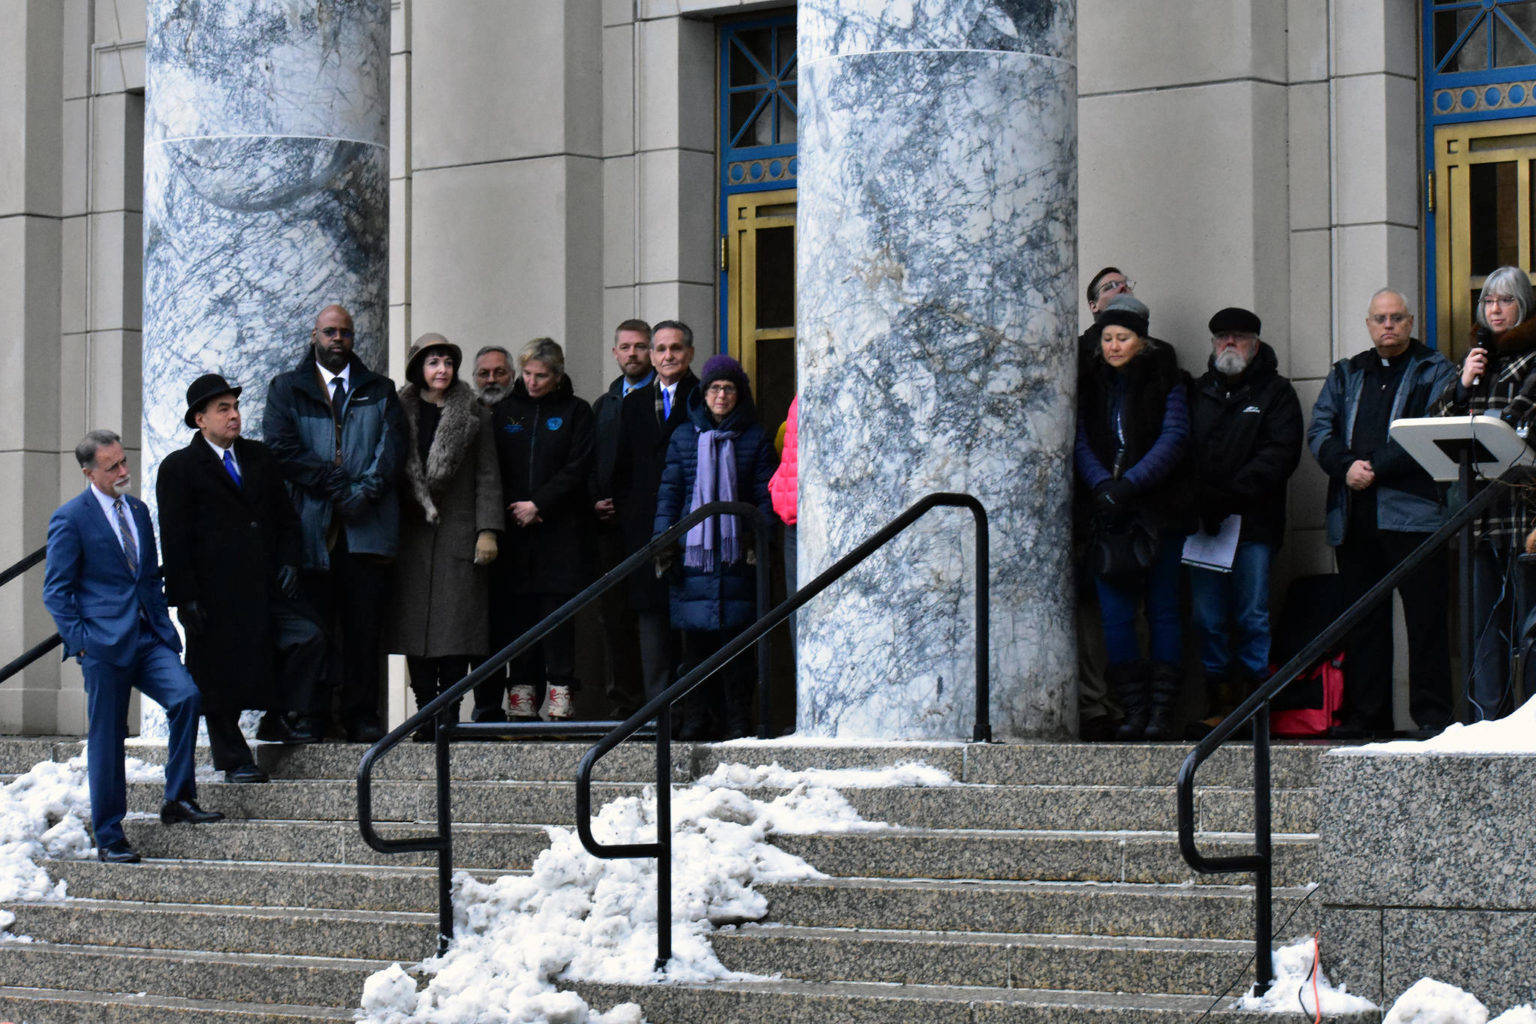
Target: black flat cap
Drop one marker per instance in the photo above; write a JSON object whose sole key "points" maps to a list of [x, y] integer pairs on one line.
{"points": [[1234, 320]]}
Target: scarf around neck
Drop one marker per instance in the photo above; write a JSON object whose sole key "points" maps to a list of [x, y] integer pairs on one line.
{"points": [[715, 480]]}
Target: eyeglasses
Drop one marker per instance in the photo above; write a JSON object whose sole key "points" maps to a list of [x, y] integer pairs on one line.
{"points": [[720, 389], [336, 332], [1500, 300], [1106, 287], [1382, 319]]}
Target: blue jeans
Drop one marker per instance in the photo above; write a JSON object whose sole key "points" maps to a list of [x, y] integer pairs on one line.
{"points": [[1231, 611], [1159, 587]]}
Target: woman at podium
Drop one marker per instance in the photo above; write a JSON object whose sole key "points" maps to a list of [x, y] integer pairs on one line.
{"points": [[1498, 377]]}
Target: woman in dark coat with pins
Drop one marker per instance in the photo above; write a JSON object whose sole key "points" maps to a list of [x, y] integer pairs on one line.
{"points": [[544, 447], [1132, 433], [721, 454], [450, 515]]}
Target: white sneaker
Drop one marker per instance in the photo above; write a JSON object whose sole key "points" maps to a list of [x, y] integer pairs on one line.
{"points": [[557, 702], [520, 702]]}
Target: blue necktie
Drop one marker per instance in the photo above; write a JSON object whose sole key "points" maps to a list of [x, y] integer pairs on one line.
{"points": [[130, 549], [666, 403], [229, 467]]}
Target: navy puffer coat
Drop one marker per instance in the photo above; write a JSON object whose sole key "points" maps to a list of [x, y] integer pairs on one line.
{"points": [[724, 597]]}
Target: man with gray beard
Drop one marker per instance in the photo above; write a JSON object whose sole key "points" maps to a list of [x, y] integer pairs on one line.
{"points": [[493, 375], [1245, 442]]}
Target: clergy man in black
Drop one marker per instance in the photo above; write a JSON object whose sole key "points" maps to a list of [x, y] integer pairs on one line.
{"points": [[230, 538]]}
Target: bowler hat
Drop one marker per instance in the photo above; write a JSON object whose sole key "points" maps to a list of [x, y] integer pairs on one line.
{"points": [[1234, 320], [204, 390], [418, 355]]}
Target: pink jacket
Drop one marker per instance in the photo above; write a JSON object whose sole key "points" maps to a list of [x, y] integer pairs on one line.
{"points": [[784, 488]]}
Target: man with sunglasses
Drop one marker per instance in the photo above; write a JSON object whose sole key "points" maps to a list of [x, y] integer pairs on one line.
{"points": [[338, 432]]}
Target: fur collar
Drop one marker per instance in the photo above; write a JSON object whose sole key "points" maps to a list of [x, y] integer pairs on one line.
{"points": [[456, 433], [1518, 340]]}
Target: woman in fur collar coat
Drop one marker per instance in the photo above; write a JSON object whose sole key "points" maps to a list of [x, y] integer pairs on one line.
{"points": [[1498, 377], [450, 517]]}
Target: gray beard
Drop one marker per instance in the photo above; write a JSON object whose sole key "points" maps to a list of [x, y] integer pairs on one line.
{"points": [[1231, 363], [492, 393]]}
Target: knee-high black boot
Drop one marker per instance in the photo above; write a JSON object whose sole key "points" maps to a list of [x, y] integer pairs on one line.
{"points": [[1128, 683], [1165, 679]]}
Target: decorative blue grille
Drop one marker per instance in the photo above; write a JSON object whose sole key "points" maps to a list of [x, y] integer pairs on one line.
{"points": [[1479, 60]]}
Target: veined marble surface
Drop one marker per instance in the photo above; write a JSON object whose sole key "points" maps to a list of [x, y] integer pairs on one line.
{"points": [[266, 196], [936, 351]]}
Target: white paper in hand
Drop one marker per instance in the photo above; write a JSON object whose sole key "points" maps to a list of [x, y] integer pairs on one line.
{"points": [[1214, 550]]}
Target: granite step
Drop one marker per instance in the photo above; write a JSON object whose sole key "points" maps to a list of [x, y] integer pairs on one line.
{"points": [[1046, 908], [964, 806], [316, 886], [63, 1006], [346, 934], [791, 1002], [990, 959], [191, 973], [19, 753]]}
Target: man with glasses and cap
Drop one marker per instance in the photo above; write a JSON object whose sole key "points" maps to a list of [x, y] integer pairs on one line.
{"points": [[230, 538], [338, 432]]}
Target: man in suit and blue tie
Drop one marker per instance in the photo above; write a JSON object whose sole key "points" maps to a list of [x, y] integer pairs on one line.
{"points": [[104, 592]]}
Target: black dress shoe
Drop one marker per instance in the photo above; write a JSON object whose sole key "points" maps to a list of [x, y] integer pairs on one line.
{"points": [[364, 732], [285, 727], [175, 811], [246, 773], [118, 853]]}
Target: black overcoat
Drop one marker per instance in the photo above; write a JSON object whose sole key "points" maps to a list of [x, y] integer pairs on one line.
{"points": [[222, 545], [544, 450], [642, 455]]}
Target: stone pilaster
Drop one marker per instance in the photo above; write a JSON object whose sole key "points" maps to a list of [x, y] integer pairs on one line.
{"points": [[937, 294]]}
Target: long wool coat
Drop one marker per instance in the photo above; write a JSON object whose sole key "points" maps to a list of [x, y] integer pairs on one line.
{"points": [[441, 605], [223, 544]]}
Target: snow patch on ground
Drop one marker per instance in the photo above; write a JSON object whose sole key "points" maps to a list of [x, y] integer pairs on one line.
{"points": [[1515, 734], [577, 918], [1434, 1002], [908, 773], [1292, 989]]}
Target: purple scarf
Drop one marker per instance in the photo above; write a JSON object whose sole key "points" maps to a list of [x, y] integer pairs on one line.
{"points": [[715, 480]]}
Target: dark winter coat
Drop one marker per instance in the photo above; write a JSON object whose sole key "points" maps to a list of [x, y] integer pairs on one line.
{"points": [[1406, 498], [605, 437], [544, 449], [724, 597], [1133, 424], [369, 446], [642, 455], [1245, 442], [223, 544], [441, 603]]}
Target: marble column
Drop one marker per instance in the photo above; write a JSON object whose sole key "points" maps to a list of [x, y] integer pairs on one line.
{"points": [[266, 195], [937, 297]]}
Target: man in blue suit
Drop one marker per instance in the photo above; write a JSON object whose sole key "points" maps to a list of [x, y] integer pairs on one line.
{"points": [[103, 590]]}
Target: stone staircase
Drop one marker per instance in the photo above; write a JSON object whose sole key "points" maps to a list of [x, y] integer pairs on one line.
{"points": [[1048, 890]]}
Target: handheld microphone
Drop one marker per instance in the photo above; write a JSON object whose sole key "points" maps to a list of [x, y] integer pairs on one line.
{"points": [[1480, 340]]}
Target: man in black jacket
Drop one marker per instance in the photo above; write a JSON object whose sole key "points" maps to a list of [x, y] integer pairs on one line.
{"points": [[1245, 442], [646, 421], [338, 432], [632, 353], [230, 540]]}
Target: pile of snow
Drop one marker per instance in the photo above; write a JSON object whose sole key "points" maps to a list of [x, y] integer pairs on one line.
{"points": [[577, 918], [1292, 989], [1435, 1002], [45, 814], [773, 776], [1515, 734]]}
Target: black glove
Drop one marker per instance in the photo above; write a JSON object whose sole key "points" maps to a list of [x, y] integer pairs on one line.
{"points": [[192, 618], [665, 559], [288, 581], [1112, 495], [337, 484]]}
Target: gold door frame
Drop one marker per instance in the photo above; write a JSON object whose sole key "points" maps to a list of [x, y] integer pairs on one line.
{"points": [[746, 214], [1458, 148]]}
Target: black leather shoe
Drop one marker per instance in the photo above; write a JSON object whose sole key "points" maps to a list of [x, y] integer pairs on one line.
{"points": [[118, 853], [173, 812], [246, 773], [280, 727], [364, 732]]}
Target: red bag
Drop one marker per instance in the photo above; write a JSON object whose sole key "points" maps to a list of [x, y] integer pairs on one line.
{"points": [[1311, 703]]}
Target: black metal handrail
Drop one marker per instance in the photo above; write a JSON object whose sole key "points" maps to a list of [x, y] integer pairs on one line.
{"points": [[36, 651], [659, 707], [1256, 707], [441, 841]]}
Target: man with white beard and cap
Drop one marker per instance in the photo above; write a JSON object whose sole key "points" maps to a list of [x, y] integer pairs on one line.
{"points": [[1245, 434]]}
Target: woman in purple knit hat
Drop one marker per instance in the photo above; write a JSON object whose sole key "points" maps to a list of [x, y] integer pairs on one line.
{"points": [[721, 454]]}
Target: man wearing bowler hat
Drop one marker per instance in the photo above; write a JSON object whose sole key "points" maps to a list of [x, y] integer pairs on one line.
{"points": [[1245, 442], [232, 550]]}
